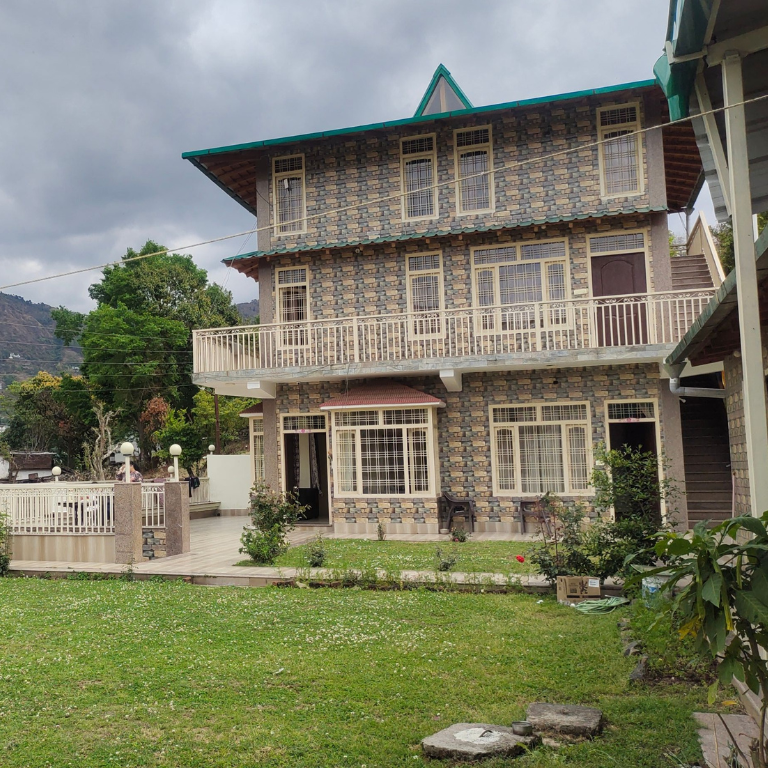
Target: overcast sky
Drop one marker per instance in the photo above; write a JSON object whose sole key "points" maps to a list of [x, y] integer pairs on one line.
{"points": [[99, 99]]}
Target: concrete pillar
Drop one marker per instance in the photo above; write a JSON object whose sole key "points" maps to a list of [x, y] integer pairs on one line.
{"points": [[128, 518], [672, 430], [176, 518], [271, 474], [755, 417]]}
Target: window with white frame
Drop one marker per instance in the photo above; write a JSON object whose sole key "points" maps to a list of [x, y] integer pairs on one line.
{"points": [[418, 167], [425, 292], [257, 449], [474, 174], [384, 452], [620, 150], [290, 202], [540, 448], [293, 302], [520, 274]]}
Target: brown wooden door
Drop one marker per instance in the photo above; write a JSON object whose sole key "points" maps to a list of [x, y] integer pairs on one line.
{"points": [[620, 323]]}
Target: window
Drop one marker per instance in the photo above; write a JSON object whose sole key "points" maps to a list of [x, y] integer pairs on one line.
{"points": [[257, 449], [288, 185], [620, 153], [540, 448], [474, 174], [632, 241], [425, 292], [518, 275], [384, 452], [302, 423], [418, 167], [293, 304]]}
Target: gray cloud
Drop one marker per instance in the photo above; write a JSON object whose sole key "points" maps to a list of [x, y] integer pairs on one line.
{"points": [[100, 99]]}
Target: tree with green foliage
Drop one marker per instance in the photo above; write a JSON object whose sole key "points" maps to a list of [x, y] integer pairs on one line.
{"points": [[723, 234], [137, 343]]}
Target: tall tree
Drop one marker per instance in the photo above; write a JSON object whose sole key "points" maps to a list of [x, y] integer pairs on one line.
{"points": [[137, 343]]}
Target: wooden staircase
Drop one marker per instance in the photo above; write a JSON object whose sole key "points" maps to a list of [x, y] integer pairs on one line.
{"points": [[707, 460], [690, 271]]}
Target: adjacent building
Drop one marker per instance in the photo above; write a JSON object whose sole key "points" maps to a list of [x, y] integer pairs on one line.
{"points": [[464, 301]]}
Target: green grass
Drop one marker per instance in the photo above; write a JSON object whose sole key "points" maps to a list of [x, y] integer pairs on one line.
{"points": [[135, 674], [364, 554]]}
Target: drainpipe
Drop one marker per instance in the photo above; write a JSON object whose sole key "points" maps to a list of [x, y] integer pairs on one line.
{"points": [[676, 389]]}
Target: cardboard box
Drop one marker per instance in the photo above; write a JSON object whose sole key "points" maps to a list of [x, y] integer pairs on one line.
{"points": [[575, 589]]}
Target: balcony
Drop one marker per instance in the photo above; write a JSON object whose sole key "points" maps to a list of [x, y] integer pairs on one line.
{"points": [[573, 332]]}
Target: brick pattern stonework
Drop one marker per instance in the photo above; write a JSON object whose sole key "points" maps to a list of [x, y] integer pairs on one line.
{"points": [[359, 169], [153, 543], [372, 281], [463, 437]]}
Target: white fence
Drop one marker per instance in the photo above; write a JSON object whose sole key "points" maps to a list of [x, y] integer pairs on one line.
{"points": [[57, 508], [81, 508], [593, 323]]}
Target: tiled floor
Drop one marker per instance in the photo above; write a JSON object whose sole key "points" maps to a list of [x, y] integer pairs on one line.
{"points": [[214, 551]]}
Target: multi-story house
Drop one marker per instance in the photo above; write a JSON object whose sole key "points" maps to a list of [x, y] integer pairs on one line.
{"points": [[465, 301]]}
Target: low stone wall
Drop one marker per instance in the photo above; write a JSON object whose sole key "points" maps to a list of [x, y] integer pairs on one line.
{"points": [[153, 543]]}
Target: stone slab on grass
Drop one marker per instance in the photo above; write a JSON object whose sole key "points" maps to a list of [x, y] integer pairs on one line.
{"points": [[474, 741], [565, 720]]}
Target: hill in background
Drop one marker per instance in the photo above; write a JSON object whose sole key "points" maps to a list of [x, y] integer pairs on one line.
{"points": [[249, 309], [27, 343]]}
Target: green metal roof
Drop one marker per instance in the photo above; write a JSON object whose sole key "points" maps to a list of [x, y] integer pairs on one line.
{"points": [[441, 71], [442, 233], [720, 306], [417, 119]]}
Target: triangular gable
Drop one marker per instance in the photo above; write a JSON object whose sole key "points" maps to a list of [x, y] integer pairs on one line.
{"points": [[442, 95]]}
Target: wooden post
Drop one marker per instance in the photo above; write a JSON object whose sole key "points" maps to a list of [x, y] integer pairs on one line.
{"points": [[755, 417]]}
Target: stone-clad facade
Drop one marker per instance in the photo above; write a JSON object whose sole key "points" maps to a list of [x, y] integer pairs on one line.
{"points": [[343, 172], [464, 437]]}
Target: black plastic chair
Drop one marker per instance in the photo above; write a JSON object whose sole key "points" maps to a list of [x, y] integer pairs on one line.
{"points": [[449, 505]]}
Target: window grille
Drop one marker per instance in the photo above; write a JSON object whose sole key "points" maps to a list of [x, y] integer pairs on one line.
{"points": [[609, 243], [406, 416], [473, 136], [390, 458], [618, 116], [257, 448], [418, 176], [356, 418], [619, 150], [495, 255], [257, 426], [644, 411], [424, 263], [418, 145], [564, 412], [473, 169], [308, 423], [288, 184], [290, 276], [541, 448]]}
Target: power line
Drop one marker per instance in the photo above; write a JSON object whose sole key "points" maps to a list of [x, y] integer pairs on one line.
{"points": [[102, 349], [386, 198], [89, 333]]}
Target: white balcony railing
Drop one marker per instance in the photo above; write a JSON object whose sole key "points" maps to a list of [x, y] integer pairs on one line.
{"points": [[153, 505], [201, 495], [593, 323]]}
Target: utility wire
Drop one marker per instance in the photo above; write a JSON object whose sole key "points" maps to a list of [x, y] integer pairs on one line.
{"points": [[386, 198]]}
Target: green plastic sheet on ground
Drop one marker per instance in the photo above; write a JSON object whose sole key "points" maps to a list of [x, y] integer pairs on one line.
{"points": [[606, 605]]}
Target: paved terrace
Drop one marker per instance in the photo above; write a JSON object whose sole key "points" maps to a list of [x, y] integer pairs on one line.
{"points": [[215, 542]]}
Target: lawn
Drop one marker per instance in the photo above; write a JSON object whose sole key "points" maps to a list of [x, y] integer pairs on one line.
{"points": [[364, 554], [114, 673]]}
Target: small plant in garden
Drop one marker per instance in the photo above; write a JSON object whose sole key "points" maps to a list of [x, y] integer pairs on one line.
{"points": [[5, 538], [316, 552], [273, 516], [444, 560], [459, 534], [719, 579], [381, 534]]}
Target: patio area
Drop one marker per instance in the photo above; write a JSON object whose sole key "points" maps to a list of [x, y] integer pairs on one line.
{"points": [[215, 542]]}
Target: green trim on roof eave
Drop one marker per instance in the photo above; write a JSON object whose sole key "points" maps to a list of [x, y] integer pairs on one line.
{"points": [[676, 80], [441, 71], [417, 119], [442, 233], [219, 184]]}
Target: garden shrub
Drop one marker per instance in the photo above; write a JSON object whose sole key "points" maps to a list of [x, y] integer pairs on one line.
{"points": [[625, 480], [5, 544], [273, 516], [444, 560], [316, 552]]}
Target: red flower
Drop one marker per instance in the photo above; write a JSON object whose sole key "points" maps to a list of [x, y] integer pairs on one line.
{"points": [[520, 558]]}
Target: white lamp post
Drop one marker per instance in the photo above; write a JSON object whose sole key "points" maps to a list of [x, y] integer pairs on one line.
{"points": [[175, 451], [211, 448], [127, 450], [56, 471]]}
